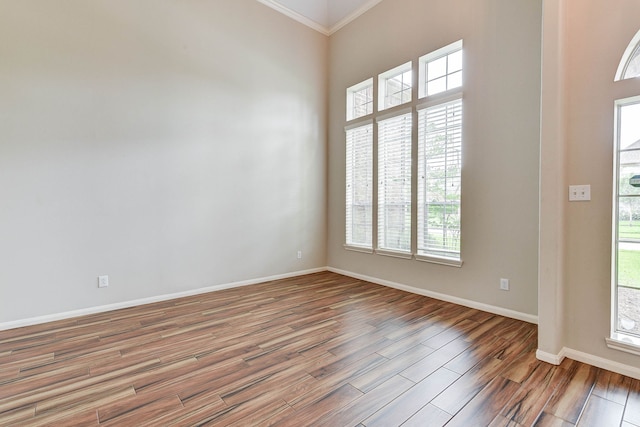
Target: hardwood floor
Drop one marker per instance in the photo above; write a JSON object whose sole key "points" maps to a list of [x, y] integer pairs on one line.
{"points": [[321, 349]]}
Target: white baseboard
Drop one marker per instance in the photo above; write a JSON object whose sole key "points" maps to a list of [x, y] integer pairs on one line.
{"points": [[443, 297], [554, 359], [126, 304], [589, 359], [600, 362]]}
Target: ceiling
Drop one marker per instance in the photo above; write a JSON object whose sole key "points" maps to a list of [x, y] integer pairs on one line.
{"points": [[326, 16]]}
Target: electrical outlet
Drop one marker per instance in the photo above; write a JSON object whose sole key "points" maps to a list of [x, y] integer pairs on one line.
{"points": [[504, 284], [579, 193], [103, 281], [299, 254]]}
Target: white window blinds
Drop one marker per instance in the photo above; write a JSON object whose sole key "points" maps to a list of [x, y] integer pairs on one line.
{"points": [[394, 189], [439, 167], [359, 202]]}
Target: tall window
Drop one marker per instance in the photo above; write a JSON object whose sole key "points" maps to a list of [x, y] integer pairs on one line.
{"points": [[440, 154], [394, 183], [359, 201], [413, 125], [359, 167], [626, 253], [439, 180]]}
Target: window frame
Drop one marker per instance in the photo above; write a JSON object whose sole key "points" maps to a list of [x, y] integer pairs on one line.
{"points": [[618, 339]]}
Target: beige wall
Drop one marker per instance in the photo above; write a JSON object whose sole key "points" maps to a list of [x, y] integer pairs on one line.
{"points": [[171, 145], [596, 34], [502, 42]]}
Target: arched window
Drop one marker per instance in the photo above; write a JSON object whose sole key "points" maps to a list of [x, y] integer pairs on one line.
{"points": [[630, 64]]}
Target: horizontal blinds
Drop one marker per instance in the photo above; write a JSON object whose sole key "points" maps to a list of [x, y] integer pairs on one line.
{"points": [[394, 190], [439, 184], [359, 191]]}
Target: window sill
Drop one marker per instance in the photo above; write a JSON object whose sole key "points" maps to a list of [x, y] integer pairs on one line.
{"points": [[437, 260], [394, 254], [623, 342], [362, 249]]}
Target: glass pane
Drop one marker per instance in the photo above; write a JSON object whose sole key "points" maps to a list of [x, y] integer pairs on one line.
{"points": [[437, 86], [437, 68], [455, 80], [455, 61], [628, 313], [633, 67], [629, 218], [630, 126], [629, 173]]}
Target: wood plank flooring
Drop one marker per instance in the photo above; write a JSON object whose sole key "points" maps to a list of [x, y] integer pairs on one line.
{"points": [[321, 350]]}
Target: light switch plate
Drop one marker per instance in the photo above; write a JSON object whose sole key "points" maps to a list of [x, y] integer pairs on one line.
{"points": [[579, 193]]}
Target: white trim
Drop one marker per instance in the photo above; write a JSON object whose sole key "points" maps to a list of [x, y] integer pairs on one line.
{"points": [[396, 111], [273, 4], [443, 297], [621, 342], [359, 122], [358, 249], [589, 359], [353, 16], [439, 260], [554, 359], [600, 362], [394, 254], [126, 304], [441, 98]]}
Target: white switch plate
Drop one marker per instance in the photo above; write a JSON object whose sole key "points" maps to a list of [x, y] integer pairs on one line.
{"points": [[504, 284], [103, 281], [579, 193]]}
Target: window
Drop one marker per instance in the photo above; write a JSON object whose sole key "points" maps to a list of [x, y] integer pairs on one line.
{"points": [[439, 180], [626, 234], [395, 146], [360, 100], [394, 183], [630, 64], [359, 172], [441, 70], [394, 87]]}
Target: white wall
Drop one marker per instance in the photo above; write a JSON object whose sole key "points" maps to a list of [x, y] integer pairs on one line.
{"points": [[171, 145], [502, 42]]}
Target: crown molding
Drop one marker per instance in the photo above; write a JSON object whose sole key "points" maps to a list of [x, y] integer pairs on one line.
{"points": [[323, 29], [353, 15], [296, 16]]}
